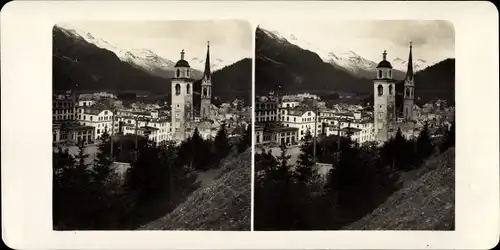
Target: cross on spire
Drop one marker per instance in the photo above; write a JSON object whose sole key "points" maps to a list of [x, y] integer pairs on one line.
{"points": [[182, 54], [384, 55]]}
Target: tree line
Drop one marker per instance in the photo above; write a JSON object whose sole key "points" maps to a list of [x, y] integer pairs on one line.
{"points": [[362, 177], [95, 196]]}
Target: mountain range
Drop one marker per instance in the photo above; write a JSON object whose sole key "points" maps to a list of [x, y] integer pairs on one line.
{"points": [[97, 65], [350, 61], [297, 66]]}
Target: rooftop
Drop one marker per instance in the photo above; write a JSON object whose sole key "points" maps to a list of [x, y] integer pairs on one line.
{"points": [[284, 129], [347, 129]]}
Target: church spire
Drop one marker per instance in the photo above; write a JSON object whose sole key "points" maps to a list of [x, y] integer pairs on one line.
{"points": [[207, 62], [409, 71]]}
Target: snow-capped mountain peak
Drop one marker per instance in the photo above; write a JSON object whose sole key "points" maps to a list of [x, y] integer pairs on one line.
{"points": [[141, 57], [347, 60]]}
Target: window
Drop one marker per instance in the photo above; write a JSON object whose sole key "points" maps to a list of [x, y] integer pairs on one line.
{"points": [[380, 74], [84, 117], [205, 92], [380, 89], [91, 118], [177, 88], [188, 89], [187, 73], [390, 89], [390, 73], [178, 73], [407, 94]]}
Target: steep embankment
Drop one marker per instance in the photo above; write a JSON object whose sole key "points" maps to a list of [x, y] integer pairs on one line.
{"points": [[425, 203], [222, 205]]}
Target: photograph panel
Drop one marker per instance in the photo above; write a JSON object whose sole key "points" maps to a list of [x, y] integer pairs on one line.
{"points": [[152, 125], [355, 125]]}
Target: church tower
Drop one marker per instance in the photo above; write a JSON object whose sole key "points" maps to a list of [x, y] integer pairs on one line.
{"points": [[384, 93], [206, 88], [182, 99], [409, 87]]}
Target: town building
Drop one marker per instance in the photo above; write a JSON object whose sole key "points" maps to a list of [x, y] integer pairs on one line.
{"points": [[63, 108], [275, 135], [302, 119], [266, 109], [71, 133], [98, 117]]}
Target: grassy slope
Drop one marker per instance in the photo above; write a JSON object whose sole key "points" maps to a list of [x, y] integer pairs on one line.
{"points": [[425, 203], [223, 205]]}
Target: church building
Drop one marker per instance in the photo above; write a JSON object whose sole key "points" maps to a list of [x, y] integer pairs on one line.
{"points": [[388, 113], [206, 89], [182, 99], [183, 117]]}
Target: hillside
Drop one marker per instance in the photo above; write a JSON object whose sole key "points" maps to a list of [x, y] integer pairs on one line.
{"points": [[426, 202], [297, 70], [437, 81], [222, 205], [76, 61], [231, 82]]}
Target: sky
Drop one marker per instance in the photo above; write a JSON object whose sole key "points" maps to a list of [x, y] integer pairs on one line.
{"points": [[228, 38], [432, 40]]}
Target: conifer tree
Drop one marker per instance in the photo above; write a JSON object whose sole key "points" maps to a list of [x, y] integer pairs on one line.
{"points": [[305, 163], [285, 209], [449, 139], [246, 140], [308, 136], [146, 176], [102, 168], [221, 143], [424, 144]]}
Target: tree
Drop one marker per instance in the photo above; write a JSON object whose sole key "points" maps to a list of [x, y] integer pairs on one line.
{"points": [[308, 136], [197, 151], [274, 195], [305, 163], [102, 168], [221, 143], [246, 140], [424, 144], [72, 195], [449, 139], [62, 162], [147, 176]]}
